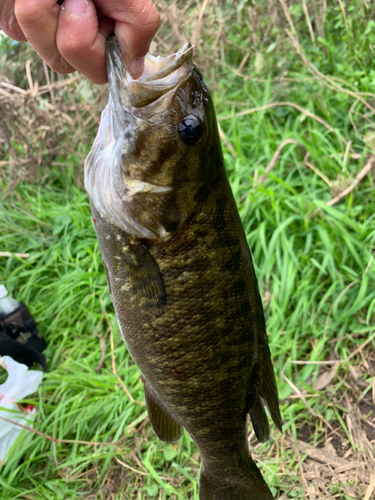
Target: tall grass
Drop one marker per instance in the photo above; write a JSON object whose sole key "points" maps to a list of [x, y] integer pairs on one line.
{"points": [[314, 264]]}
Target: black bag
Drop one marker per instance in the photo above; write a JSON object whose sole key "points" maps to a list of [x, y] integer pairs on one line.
{"points": [[20, 338]]}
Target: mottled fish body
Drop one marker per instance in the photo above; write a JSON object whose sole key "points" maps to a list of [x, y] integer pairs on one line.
{"points": [[179, 269]]}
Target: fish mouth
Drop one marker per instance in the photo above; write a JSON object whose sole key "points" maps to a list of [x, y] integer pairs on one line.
{"points": [[155, 88]]}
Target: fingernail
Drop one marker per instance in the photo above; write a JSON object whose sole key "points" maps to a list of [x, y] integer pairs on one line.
{"points": [[136, 67], [75, 6]]}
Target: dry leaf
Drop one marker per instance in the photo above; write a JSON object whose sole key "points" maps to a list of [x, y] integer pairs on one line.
{"points": [[324, 379]]}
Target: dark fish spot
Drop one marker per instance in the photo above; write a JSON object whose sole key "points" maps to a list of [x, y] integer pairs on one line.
{"points": [[171, 226], [234, 260], [240, 287], [141, 141], [219, 216], [176, 372], [163, 156]]}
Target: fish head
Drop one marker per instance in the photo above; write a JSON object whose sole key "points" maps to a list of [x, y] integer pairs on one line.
{"points": [[157, 151]]}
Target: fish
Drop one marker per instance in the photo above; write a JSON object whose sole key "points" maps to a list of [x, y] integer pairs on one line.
{"points": [[179, 269]]}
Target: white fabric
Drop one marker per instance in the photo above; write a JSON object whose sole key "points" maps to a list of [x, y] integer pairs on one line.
{"points": [[20, 383]]}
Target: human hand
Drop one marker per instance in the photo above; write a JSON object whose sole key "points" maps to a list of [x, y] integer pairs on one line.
{"points": [[72, 36]]}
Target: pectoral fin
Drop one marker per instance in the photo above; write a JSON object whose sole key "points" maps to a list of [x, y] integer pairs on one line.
{"points": [[165, 425], [132, 274], [143, 276]]}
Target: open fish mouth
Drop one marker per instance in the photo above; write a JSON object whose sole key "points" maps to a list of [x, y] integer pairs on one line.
{"points": [[160, 77]]}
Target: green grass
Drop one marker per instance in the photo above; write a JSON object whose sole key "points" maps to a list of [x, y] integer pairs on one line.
{"points": [[313, 264]]}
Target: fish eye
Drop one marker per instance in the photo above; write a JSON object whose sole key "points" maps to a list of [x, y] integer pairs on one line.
{"points": [[190, 130]]}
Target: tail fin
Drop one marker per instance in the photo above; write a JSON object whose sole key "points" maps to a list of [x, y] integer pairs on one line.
{"points": [[267, 392], [248, 485]]}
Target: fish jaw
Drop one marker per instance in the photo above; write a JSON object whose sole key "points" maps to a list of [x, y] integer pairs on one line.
{"points": [[160, 78]]}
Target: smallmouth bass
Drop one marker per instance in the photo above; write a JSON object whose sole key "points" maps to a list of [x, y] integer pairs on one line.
{"points": [[179, 269]]}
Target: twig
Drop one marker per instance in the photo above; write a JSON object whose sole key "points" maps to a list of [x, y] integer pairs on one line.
{"points": [[351, 111], [337, 463], [114, 365], [275, 157], [272, 164], [61, 113], [243, 62], [370, 488], [224, 138], [13, 87], [55, 440], [346, 23], [328, 82], [33, 88], [196, 30], [305, 486], [333, 362], [299, 393], [308, 21], [103, 349], [49, 85], [365, 170], [316, 170], [44, 88], [319, 25], [132, 468], [18, 255], [292, 105], [370, 339]]}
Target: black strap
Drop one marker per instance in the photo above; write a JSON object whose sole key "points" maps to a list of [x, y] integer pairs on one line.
{"points": [[20, 337], [21, 353]]}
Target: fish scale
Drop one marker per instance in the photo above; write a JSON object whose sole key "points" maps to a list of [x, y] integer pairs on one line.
{"points": [[185, 295]]}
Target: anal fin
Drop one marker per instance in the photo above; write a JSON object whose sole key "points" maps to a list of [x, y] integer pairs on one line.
{"points": [[164, 423], [268, 390], [259, 420], [264, 394]]}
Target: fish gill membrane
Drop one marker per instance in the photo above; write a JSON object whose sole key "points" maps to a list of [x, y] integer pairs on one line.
{"points": [[179, 269]]}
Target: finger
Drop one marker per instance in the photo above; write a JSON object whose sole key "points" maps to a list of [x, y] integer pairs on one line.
{"points": [[79, 40], [136, 22], [8, 21], [38, 20]]}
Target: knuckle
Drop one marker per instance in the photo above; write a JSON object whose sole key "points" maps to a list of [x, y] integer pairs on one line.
{"points": [[28, 12], [58, 64], [72, 48], [77, 43], [144, 18], [10, 26], [69, 46], [152, 17]]}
